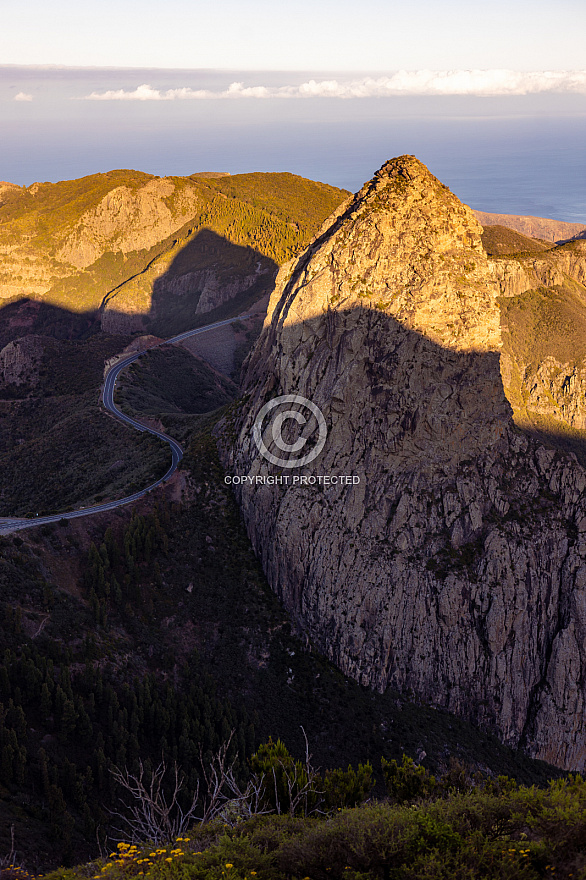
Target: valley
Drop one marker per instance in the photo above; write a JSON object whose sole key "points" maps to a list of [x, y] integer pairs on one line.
{"points": [[436, 611]]}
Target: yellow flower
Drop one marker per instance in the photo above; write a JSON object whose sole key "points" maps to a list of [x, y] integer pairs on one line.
{"points": [[229, 865], [169, 860]]}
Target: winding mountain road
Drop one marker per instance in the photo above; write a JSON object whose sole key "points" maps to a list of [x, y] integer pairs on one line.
{"points": [[14, 524]]}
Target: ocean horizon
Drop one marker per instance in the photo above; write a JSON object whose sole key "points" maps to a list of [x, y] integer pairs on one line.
{"points": [[512, 155]]}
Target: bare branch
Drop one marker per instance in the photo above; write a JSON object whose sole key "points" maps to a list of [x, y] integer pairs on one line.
{"points": [[151, 801], [10, 859], [225, 798], [151, 815]]}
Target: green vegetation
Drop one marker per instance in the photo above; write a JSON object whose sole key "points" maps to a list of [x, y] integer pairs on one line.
{"points": [[85, 290], [27, 316], [268, 216], [136, 635], [153, 631], [45, 212], [490, 829], [51, 434], [500, 241], [76, 701], [170, 380], [541, 324], [295, 199], [546, 322]]}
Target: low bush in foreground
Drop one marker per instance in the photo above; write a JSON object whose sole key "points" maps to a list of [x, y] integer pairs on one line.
{"points": [[491, 831]]}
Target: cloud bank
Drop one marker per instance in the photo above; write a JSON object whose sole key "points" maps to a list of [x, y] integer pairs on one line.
{"points": [[404, 82], [22, 96]]}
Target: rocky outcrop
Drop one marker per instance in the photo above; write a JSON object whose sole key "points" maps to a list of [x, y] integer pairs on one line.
{"points": [[20, 360], [550, 269], [7, 189], [138, 303], [454, 565], [134, 305], [543, 320], [536, 227], [556, 391], [128, 220]]}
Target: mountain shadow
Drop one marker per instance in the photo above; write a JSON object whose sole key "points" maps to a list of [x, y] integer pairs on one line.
{"points": [[406, 579], [52, 365], [204, 278], [164, 613]]}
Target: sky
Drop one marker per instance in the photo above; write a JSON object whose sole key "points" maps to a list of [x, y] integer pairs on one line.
{"points": [[492, 97], [343, 35]]}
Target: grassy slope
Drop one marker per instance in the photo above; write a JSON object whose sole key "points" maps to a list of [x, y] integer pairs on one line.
{"points": [[499, 241], [295, 199], [547, 322], [170, 380]]}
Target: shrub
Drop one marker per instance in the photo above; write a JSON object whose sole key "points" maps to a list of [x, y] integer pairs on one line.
{"points": [[348, 788], [290, 786], [407, 781]]}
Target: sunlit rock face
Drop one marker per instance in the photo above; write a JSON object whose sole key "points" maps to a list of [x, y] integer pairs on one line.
{"points": [[456, 568]]}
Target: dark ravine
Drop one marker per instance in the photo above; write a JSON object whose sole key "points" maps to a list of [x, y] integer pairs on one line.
{"points": [[456, 569]]}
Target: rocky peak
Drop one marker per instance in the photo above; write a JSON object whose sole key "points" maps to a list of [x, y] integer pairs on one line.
{"points": [[408, 247], [455, 567]]}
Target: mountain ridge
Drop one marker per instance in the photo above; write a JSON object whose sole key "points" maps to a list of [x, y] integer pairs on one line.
{"points": [[534, 227], [82, 244], [391, 323]]}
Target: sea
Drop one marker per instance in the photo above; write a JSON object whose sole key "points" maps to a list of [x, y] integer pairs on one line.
{"points": [[513, 154]]}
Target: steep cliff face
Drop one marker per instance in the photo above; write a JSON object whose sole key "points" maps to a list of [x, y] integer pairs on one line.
{"points": [[456, 567], [194, 276]]}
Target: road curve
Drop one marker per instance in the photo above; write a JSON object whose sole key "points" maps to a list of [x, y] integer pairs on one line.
{"points": [[14, 524]]}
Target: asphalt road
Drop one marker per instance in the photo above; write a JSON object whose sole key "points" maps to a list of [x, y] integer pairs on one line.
{"points": [[15, 524]]}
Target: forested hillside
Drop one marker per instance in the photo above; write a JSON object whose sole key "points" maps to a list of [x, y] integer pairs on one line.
{"points": [[107, 239]]}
